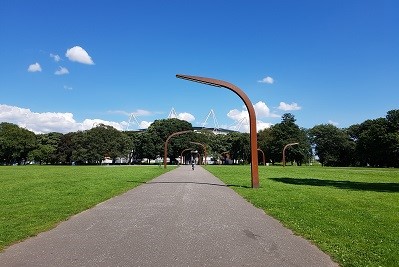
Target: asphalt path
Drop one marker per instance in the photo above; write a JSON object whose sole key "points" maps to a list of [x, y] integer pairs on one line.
{"points": [[181, 218]]}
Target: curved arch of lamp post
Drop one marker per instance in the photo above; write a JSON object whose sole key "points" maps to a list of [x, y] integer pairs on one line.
{"points": [[181, 154], [252, 118], [263, 154], [165, 150], [203, 146], [285, 147]]}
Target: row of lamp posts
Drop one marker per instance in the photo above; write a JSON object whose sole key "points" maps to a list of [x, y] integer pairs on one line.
{"points": [[252, 124]]}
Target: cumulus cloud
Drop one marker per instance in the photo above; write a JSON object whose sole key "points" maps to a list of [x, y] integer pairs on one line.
{"points": [[241, 117], [186, 117], [46, 122], [263, 111], [182, 116], [144, 124], [34, 67], [78, 54], [238, 115], [260, 125], [55, 57], [333, 123], [287, 107], [61, 71], [66, 87], [268, 80]]}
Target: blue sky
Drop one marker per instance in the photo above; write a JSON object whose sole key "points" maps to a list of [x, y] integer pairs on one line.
{"points": [[67, 65]]}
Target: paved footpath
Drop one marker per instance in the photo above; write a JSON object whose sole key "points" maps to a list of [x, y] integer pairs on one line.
{"points": [[181, 218]]}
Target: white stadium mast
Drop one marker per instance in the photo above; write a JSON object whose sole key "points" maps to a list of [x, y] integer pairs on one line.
{"points": [[215, 121], [132, 116]]}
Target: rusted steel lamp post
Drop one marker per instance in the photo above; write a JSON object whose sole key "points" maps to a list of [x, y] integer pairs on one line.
{"points": [[252, 118], [203, 146], [165, 150], [263, 154], [292, 144], [181, 154]]}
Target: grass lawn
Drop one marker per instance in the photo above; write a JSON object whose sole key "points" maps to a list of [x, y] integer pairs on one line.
{"points": [[35, 198], [350, 213]]}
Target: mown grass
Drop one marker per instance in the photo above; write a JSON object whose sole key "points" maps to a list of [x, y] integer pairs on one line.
{"points": [[350, 213], [35, 198]]}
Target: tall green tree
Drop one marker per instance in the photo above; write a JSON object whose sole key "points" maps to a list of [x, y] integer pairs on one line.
{"points": [[332, 145], [282, 134], [377, 141], [160, 130], [47, 145], [65, 148], [15, 143]]}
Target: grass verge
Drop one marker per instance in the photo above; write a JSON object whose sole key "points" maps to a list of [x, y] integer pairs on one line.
{"points": [[35, 198], [350, 213]]}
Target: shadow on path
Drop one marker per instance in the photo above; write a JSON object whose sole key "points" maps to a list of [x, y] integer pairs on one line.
{"points": [[183, 182], [361, 186]]}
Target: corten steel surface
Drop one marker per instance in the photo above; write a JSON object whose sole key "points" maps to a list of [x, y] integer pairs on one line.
{"points": [[263, 154], [292, 144], [165, 150], [252, 118], [181, 154], [203, 146]]}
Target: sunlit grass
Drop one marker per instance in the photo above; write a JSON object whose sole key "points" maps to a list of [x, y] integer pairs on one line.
{"points": [[350, 213], [36, 198]]}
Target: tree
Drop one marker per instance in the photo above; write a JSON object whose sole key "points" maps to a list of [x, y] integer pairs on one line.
{"points": [[47, 145], [106, 141], [160, 130], [144, 146], [65, 148], [274, 140], [240, 149], [265, 142], [15, 143], [376, 142], [332, 145]]}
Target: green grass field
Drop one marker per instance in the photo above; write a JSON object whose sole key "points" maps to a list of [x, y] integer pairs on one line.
{"points": [[350, 213], [36, 198]]}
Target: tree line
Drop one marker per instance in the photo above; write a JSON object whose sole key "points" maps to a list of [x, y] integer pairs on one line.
{"points": [[372, 143]]}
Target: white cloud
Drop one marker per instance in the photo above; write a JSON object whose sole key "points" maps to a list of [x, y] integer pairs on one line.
{"points": [[142, 112], [260, 125], [34, 67], [263, 111], [287, 107], [61, 71], [333, 123], [137, 113], [144, 124], [241, 117], [268, 80], [182, 116], [66, 87], [49, 121], [186, 117], [55, 57], [78, 54]]}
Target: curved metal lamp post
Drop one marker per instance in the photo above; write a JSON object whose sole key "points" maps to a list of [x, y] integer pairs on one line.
{"points": [[165, 150], [292, 144], [203, 146], [252, 118], [181, 154], [263, 154]]}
